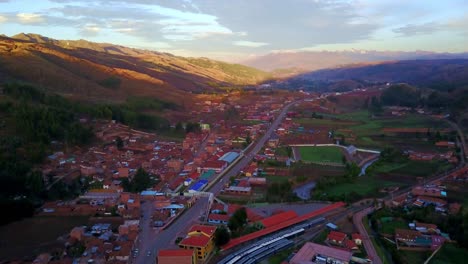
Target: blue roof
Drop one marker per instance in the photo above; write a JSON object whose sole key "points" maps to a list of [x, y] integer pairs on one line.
{"points": [[229, 157], [198, 185], [174, 206], [151, 193]]}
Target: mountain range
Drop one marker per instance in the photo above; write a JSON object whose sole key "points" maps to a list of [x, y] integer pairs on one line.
{"points": [[292, 62], [101, 71]]}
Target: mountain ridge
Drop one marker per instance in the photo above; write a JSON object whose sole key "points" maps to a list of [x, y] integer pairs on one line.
{"points": [[317, 60], [97, 71]]}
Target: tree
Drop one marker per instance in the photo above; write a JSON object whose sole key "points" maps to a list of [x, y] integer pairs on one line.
{"points": [[221, 236], [140, 182], [238, 219], [119, 143]]}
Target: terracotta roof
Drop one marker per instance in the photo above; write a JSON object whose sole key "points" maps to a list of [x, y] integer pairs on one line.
{"points": [[336, 236], [350, 244], [431, 199], [278, 218], [356, 236], [175, 253], [219, 217], [196, 241], [209, 230], [237, 241]]}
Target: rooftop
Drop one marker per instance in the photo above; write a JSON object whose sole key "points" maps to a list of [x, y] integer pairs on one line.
{"points": [[175, 253], [309, 250]]}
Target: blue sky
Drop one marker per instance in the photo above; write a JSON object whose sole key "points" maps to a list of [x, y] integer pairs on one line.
{"points": [[236, 29]]}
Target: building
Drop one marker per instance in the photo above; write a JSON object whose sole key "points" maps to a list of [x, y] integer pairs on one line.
{"points": [[337, 238], [199, 238], [216, 165], [176, 256], [357, 238], [218, 219], [314, 253], [237, 190]]}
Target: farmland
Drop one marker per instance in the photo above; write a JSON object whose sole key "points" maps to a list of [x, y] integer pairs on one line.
{"points": [[361, 128]]}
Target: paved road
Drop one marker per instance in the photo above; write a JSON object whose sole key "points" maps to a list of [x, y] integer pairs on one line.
{"points": [[366, 241], [247, 158], [151, 240]]}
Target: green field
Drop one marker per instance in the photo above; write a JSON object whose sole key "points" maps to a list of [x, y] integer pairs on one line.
{"points": [[32, 236], [389, 227], [450, 253], [364, 185], [321, 154]]}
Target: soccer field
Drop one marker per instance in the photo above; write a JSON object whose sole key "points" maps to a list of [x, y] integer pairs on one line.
{"points": [[321, 154]]}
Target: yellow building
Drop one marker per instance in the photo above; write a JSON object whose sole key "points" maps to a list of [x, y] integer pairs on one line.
{"points": [[200, 238]]}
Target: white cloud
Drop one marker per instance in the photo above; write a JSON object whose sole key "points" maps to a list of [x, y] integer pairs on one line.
{"points": [[3, 19], [251, 44], [30, 18], [420, 29], [90, 30]]}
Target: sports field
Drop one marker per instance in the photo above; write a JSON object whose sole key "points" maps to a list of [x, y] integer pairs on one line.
{"points": [[321, 154]]}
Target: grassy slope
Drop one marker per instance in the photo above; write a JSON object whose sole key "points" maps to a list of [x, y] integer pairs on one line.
{"points": [[450, 253], [81, 68]]}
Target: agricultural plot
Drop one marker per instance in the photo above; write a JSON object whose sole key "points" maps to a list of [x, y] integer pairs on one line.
{"points": [[32, 236], [321, 154], [361, 129]]}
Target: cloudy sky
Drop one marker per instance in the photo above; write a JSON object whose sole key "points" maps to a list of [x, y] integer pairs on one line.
{"points": [[235, 29]]}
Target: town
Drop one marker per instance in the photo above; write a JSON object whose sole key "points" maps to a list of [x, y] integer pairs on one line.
{"points": [[242, 189], [233, 132]]}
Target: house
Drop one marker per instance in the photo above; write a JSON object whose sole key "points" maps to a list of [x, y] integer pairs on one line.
{"points": [[199, 238], [357, 238], [446, 144], [218, 219], [273, 142], [351, 245], [315, 253], [123, 172], [412, 238], [176, 256], [427, 200], [425, 228], [237, 190], [337, 238]]}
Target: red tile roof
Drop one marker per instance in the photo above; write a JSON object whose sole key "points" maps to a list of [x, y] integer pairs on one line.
{"points": [[175, 253], [219, 217], [350, 244], [196, 241], [278, 218], [209, 230], [356, 236], [237, 241], [336, 236]]}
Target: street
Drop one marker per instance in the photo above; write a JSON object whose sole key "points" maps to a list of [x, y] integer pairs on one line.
{"points": [[151, 240]]}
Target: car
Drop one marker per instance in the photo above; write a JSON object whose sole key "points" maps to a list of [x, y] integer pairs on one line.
{"points": [[148, 253]]}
